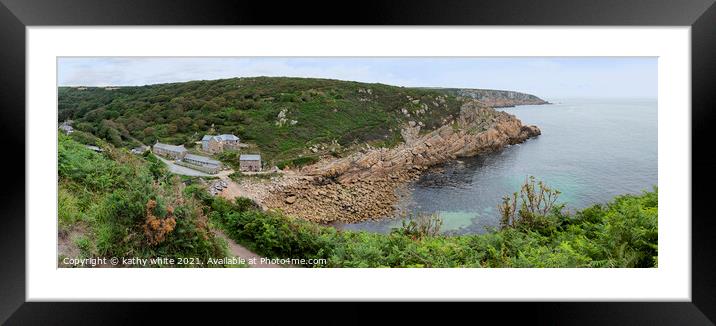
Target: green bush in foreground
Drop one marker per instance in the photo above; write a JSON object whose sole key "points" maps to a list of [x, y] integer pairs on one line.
{"points": [[622, 233], [116, 204]]}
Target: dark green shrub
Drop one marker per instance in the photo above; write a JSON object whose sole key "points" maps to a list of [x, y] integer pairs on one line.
{"points": [[536, 201], [420, 226], [106, 195], [297, 162], [622, 233]]}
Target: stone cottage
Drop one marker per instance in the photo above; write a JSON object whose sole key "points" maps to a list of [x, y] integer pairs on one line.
{"points": [[202, 163], [250, 163], [169, 151], [219, 143]]}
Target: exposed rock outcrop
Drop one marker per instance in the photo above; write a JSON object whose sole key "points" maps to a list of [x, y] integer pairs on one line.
{"points": [[477, 129], [322, 200], [498, 98], [362, 186]]}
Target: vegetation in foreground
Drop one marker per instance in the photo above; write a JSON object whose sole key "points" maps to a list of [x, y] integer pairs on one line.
{"points": [[114, 204], [622, 233]]}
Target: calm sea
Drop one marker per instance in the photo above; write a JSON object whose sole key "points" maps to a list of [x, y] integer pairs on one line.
{"points": [[590, 149]]}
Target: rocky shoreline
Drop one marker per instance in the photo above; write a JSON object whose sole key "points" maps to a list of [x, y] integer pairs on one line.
{"points": [[362, 186], [324, 201]]}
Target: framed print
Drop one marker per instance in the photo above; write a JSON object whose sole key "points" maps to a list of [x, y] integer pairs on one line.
{"points": [[554, 154]]}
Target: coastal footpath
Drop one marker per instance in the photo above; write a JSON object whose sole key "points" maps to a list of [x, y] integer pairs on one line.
{"points": [[362, 186]]}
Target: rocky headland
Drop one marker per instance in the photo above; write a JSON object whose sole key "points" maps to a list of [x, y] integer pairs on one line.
{"points": [[498, 98], [362, 186]]}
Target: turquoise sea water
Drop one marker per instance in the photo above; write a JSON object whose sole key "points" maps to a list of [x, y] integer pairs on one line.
{"points": [[590, 149]]}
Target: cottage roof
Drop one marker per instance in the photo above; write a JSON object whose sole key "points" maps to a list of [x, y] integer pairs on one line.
{"points": [[202, 159], [227, 137], [172, 148], [250, 157], [220, 137]]}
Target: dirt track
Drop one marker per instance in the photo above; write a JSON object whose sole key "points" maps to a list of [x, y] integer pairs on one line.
{"points": [[238, 250]]}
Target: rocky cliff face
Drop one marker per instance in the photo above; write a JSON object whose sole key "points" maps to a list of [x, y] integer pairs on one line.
{"points": [[361, 186], [477, 129], [497, 98]]}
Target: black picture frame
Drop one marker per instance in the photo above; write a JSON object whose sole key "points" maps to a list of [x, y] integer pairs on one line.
{"points": [[700, 15]]}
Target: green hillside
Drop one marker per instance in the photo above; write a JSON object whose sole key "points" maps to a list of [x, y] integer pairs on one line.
{"points": [[283, 117]]}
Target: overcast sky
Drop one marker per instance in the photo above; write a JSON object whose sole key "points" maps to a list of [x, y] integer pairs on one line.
{"points": [[546, 77]]}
